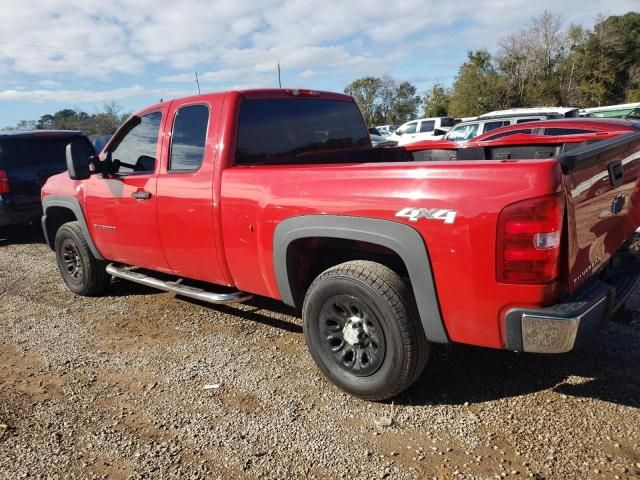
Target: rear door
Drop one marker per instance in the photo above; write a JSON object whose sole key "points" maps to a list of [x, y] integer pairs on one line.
{"points": [[186, 217], [603, 202]]}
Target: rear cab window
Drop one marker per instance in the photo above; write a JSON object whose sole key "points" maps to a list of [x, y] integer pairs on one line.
{"points": [[283, 131]]}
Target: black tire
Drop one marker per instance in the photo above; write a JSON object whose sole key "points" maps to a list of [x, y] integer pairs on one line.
{"points": [[83, 273], [366, 290]]}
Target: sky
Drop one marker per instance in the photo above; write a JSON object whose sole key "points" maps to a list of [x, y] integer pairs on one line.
{"points": [[57, 54]]}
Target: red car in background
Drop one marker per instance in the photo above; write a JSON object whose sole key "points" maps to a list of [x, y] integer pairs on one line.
{"points": [[539, 139]]}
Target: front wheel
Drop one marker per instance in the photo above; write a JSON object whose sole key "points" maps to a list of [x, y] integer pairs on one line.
{"points": [[363, 331], [83, 273]]}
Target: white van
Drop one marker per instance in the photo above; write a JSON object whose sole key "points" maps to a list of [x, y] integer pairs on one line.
{"points": [[465, 131], [421, 129]]}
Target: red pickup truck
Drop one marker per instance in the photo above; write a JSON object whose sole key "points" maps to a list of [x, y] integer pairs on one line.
{"points": [[278, 193]]}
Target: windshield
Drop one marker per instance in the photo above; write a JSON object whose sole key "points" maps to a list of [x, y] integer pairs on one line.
{"points": [[635, 114], [460, 133], [280, 130]]}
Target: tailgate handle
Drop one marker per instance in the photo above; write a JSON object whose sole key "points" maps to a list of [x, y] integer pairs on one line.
{"points": [[616, 174]]}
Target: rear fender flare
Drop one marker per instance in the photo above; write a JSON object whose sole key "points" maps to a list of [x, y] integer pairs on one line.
{"points": [[402, 239]]}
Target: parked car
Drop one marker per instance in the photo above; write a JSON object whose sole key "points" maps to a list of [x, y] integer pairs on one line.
{"points": [[380, 141], [386, 130], [421, 129], [100, 141], [548, 112], [610, 111], [277, 193], [466, 131], [567, 131], [27, 160]]}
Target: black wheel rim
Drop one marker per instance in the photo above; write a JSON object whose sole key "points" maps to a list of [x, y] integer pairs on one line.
{"points": [[352, 335], [72, 262]]}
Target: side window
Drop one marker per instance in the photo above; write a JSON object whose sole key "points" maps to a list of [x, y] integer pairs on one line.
{"points": [[526, 131], [136, 151], [427, 126], [409, 128], [566, 131], [493, 125], [525, 120], [188, 138]]}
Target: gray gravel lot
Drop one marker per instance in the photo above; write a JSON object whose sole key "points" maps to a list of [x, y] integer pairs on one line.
{"points": [[112, 387]]}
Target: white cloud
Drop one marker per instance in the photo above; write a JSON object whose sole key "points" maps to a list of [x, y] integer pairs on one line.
{"points": [[80, 96], [58, 42], [49, 84]]}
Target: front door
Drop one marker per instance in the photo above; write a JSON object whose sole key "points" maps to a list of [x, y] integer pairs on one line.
{"points": [[122, 208]]}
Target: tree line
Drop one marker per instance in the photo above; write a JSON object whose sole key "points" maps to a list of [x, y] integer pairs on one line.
{"points": [[544, 64], [105, 122]]}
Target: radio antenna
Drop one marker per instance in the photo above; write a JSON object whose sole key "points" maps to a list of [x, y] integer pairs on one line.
{"points": [[197, 82], [279, 79]]}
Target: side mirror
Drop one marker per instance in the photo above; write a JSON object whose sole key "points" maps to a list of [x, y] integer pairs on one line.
{"points": [[398, 132], [77, 154]]}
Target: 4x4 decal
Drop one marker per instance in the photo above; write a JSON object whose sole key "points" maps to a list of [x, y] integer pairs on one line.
{"points": [[414, 214]]}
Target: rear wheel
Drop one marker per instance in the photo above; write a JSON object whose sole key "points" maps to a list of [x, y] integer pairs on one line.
{"points": [[363, 331], [83, 273]]}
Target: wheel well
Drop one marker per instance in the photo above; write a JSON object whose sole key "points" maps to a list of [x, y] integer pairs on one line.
{"points": [[308, 257], [56, 217]]}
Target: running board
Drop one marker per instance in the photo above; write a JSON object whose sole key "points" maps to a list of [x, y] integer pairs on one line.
{"points": [[177, 287]]}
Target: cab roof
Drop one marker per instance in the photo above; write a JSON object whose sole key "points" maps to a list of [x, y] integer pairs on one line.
{"points": [[261, 93]]}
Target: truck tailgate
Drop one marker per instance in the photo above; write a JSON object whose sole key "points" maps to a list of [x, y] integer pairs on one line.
{"points": [[603, 202]]}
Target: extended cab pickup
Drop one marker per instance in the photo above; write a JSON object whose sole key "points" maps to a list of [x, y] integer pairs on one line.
{"points": [[278, 193]]}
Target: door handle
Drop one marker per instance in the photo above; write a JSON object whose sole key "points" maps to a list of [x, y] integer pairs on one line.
{"points": [[141, 195]]}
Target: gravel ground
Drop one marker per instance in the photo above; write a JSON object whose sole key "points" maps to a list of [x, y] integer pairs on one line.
{"points": [[113, 387]]}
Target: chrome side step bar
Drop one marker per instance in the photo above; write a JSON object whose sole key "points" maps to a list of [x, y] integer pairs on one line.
{"points": [[177, 287]]}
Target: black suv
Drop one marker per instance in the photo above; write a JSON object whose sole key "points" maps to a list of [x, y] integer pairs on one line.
{"points": [[27, 159]]}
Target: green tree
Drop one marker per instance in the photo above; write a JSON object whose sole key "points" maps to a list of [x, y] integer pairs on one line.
{"points": [[436, 101], [383, 101], [478, 88], [531, 63], [45, 122], [366, 92], [66, 119], [609, 60], [405, 103]]}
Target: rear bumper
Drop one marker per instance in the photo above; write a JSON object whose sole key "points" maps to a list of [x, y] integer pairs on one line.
{"points": [[10, 215], [558, 328]]}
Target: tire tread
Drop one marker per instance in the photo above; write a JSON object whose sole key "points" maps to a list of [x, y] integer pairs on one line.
{"points": [[398, 295]]}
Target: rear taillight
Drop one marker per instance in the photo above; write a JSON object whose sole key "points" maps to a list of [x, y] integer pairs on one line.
{"points": [[528, 241], [4, 182]]}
